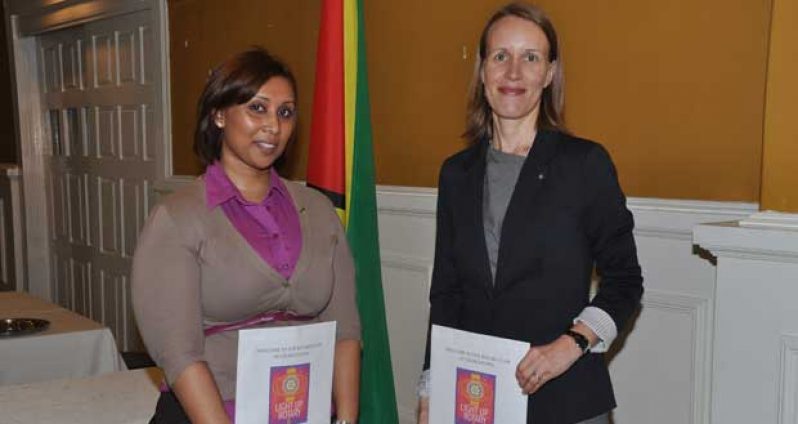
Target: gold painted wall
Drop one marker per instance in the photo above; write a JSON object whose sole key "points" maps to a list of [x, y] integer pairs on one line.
{"points": [[779, 173], [202, 33], [675, 90]]}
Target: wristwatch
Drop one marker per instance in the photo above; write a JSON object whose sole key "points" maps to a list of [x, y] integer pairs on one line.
{"points": [[581, 341], [342, 422]]}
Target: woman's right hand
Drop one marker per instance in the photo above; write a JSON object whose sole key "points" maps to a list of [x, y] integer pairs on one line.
{"points": [[423, 410]]}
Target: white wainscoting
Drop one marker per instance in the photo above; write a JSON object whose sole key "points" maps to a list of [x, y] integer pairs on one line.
{"points": [[407, 244], [755, 353], [788, 375], [661, 366]]}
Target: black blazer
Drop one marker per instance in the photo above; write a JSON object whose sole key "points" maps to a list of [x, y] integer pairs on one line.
{"points": [[566, 214]]}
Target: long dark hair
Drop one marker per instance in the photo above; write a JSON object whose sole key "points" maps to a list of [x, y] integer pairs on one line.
{"points": [[233, 82], [479, 119]]}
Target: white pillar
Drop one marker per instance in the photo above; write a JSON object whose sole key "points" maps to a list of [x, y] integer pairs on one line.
{"points": [[755, 353]]}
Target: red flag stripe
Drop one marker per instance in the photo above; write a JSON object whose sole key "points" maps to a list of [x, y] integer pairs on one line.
{"points": [[326, 153]]}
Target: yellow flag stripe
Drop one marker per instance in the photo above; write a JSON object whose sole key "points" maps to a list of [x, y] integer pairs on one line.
{"points": [[350, 91]]}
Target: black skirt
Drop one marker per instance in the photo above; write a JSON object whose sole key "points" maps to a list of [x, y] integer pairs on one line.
{"points": [[169, 411]]}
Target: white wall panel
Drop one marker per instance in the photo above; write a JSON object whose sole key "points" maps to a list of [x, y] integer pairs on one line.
{"points": [[755, 308], [788, 384], [405, 284], [661, 367]]}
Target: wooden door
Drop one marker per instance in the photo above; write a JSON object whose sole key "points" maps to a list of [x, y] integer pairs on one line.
{"points": [[101, 98]]}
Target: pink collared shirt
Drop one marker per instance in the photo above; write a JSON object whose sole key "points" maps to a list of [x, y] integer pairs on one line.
{"points": [[271, 227]]}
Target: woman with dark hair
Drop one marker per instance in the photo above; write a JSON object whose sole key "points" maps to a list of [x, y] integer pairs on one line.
{"points": [[524, 214], [241, 247]]}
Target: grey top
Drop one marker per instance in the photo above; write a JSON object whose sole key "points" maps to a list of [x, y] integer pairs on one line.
{"points": [[501, 174]]}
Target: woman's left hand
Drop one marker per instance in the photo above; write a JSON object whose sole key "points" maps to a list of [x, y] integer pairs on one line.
{"points": [[543, 363]]}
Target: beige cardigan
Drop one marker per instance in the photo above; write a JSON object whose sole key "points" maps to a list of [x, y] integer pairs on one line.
{"points": [[193, 269]]}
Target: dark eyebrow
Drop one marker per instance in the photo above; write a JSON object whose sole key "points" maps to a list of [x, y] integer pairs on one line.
{"points": [[258, 96], [505, 49]]}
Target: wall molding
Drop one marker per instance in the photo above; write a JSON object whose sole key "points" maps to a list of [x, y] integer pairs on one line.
{"points": [[698, 311], [788, 380], [674, 219], [773, 220], [407, 263], [414, 201], [754, 243], [670, 218]]}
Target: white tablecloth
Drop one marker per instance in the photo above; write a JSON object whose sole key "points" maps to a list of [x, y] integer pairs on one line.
{"points": [[72, 347], [126, 397]]}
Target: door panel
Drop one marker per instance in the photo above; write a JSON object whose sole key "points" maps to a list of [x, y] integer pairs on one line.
{"points": [[70, 62]]}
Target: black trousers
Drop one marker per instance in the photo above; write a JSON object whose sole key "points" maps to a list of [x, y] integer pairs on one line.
{"points": [[169, 411]]}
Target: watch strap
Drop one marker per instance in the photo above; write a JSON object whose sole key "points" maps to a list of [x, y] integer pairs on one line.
{"points": [[580, 339]]}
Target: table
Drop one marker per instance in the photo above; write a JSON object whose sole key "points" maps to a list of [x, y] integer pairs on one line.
{"points": [[72, 347], [126, 397]]}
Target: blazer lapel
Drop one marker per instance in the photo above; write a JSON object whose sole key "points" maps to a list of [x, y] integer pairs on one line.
{"points": [[475, 180], [524, 202]]}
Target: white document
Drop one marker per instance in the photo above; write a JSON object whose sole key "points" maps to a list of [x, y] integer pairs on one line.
{"points": [[284, 374], [473, 378]]}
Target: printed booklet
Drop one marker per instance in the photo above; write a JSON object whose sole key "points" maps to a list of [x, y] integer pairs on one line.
{"points": [[473, 378], [284, 374]]}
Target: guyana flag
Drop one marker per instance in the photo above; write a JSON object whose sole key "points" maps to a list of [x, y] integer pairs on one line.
{"points": [[341, 165]]}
